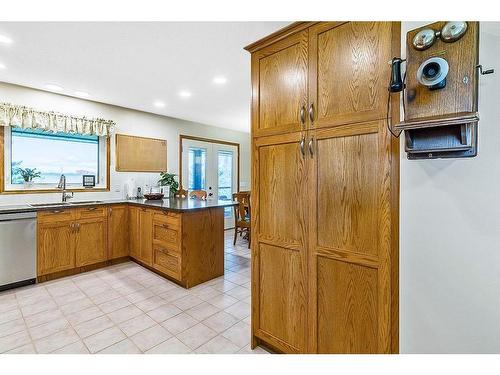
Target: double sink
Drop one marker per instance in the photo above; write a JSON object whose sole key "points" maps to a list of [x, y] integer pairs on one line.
{"points": [[62, 204]]}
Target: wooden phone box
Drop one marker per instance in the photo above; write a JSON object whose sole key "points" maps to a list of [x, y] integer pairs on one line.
{"points": [[440, 97]]}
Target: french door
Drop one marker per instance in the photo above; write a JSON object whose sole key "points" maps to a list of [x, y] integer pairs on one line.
{"points": [[212, 167]]}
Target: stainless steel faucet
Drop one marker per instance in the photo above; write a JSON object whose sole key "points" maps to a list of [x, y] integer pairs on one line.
{"points": [[62, 186]]}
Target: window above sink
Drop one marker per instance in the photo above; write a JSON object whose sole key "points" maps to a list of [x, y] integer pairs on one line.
{"points": [[53, 154]]}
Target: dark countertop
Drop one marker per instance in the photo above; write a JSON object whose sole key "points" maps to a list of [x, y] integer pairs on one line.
{"points": [[170, 204]]}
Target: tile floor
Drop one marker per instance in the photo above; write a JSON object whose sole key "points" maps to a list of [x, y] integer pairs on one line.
{"points": [[128, 309]]}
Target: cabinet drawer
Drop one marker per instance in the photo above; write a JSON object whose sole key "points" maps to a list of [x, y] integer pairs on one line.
{"points": [[167, 235], [167, 261], [55, 215], [91, 212], [170, 218]]}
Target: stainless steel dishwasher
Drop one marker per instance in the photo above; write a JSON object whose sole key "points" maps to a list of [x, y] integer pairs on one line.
{"points": [[17, 249]]}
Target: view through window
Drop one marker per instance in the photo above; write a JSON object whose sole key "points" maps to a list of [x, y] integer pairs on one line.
{"points": [[53, 154]]}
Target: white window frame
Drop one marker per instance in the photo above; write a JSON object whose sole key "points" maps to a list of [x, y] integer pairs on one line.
{"points": [[101, 184]]}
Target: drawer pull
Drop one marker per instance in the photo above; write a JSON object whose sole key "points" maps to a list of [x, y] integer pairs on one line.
{"points": [[166, 226], [56, 211], [92, 209]]}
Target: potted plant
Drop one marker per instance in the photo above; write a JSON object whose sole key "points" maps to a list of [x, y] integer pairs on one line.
{"points": [[28, 174], [168, 179]]}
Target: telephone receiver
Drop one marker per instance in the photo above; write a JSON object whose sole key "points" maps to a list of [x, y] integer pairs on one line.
{"points": [[396, 84]]}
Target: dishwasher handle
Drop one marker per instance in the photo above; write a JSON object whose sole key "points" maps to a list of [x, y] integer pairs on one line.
{"points": [[17, 216]]}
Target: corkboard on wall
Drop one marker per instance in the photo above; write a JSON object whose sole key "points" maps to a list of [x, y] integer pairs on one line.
{"points": [[140, 154]]}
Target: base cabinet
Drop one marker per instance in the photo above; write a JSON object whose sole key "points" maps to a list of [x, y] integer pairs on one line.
{"points": [[118, 231], [90, 241], [56, 247]]}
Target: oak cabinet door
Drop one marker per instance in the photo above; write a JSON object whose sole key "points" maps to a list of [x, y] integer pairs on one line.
{"points": [[349, 71], [56, 249], [91, 241], [350, 239], [279, 93], [134, 232], [146, 236], [118, 231], [279, 242]]}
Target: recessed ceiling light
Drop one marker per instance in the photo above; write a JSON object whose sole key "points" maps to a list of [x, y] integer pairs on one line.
{"points": [[184, 94], [5, 39], [2, 66], [82, 94], [52, 87], [159, 104], [220, 80]]}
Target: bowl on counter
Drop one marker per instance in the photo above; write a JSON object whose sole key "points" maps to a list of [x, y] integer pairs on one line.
{"points": [[153, 196]]}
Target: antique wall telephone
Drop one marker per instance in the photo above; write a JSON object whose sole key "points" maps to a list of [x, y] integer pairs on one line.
{"points": [[439, 90]]}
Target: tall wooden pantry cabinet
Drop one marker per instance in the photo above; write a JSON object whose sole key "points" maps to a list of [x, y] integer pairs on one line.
{"points": [[325, 173]]}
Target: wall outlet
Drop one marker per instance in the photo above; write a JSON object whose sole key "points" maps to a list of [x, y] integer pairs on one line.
{"points": [[117, 188]]}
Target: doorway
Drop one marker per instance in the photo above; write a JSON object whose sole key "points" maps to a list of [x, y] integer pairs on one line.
{"points": [[213, 166]]}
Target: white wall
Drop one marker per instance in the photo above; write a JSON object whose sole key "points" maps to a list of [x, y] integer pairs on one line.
{"points": [[128, 122], [450, 234]]}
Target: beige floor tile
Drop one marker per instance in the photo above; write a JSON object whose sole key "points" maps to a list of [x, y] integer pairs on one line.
{"points": [[207, 293], [164, 312], [224, 285], [49, 328], [7, 316], [239, 334], [174, 294], [123, 347], [56, 341], [14, 341], [70, 297], [150, 303], [43, 317], [114, 304], [150, 337], [124, 314], [93, 326], [162, 287], [84, 315], [248, 350], [106, 296], [75, 306], [220, 321], [137, 324], [202, 311], [33, 298], [172, 346], [47, 304], [187, 302], [74, 348], [103, 339], [196, 336], [12, 327], [218, 345], [8, 304], [240, 310], [140, 295], [248, 320], [25, 349], [97, 289], [179, 323], [222, 301]]}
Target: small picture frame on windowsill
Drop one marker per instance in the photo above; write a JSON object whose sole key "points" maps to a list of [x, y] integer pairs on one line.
{"points": [[88, 181]]}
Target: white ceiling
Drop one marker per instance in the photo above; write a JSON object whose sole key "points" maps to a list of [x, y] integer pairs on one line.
{"points": [[135, 64]]}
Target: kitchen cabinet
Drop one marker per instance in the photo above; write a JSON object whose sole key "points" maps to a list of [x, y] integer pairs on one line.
{"points": [[146, 236], [118, 231], [325, 268], [56, 246], [90, 241]]}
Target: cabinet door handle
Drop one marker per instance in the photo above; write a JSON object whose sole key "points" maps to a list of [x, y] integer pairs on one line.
{"points": [[166, 226], [110, 211], [92, 209], [303, 115], [311, 113], [302, 146], [56, 211], [310, 147], [72, 227]]}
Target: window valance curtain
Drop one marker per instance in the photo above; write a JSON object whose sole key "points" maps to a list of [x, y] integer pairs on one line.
{"points": [[25, 117]]}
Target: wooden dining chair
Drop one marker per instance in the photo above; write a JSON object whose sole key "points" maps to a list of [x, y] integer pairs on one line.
{"points": [[242, 216], [181, 193], [198, 194]]}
